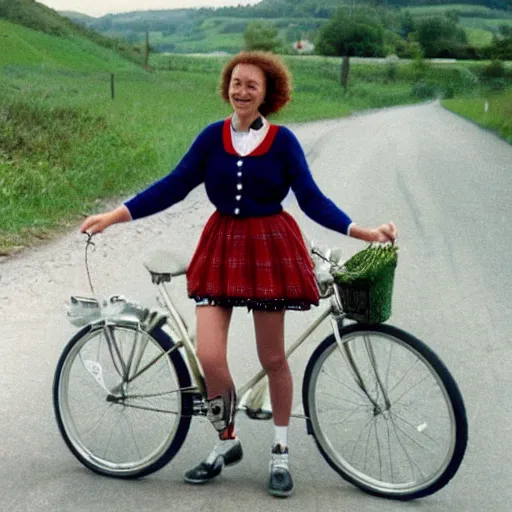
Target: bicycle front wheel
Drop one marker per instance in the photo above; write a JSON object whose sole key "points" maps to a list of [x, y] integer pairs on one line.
{"points": [[119, 401], [385, 412]]}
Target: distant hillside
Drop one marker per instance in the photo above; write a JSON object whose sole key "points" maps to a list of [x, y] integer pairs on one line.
{"points": [[310, 5], [77, 16], [38, 17], [210, 30]]}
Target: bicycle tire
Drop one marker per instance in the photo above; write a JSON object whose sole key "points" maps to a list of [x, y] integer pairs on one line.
{"points": [[68, 401], [379, 426]]}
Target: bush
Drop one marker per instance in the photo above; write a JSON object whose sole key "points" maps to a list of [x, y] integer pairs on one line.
{"points": [[261, 35], [424, 90], [496, 69], [497, 84]]}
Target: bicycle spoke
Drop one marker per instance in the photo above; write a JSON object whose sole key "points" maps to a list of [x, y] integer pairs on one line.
{"points": [[356, 391], [343, 420], [153, 409], [95, 426], [414, 427], [389, 452], [372, 424], [150, 395], [338, 397], [359, 437], [411, 388], [153, 377], [388, 372], [151, 363], [130, 429], [404, 376], [109, 441], [412, 463], [378, 450]]}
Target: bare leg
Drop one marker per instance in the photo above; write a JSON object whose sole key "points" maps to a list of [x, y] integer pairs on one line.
{"points": [[212, 335], [269, 327], [212, 340]]}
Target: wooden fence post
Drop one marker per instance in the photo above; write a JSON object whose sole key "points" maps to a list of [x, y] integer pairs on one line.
{"points": [[112, 86]]}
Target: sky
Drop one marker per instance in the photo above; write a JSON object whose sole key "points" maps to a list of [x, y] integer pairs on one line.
{"points": [[102, 7]]}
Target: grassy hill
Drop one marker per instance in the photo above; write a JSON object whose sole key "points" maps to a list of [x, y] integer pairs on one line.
{"points": [[26, 46], [36, 16]]}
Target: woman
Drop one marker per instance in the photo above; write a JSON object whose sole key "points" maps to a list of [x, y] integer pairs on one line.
{"points": [[251, 253]]}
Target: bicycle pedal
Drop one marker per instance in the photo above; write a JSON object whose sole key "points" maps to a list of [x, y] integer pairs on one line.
{"points": [[199, 406], [258, 414]]}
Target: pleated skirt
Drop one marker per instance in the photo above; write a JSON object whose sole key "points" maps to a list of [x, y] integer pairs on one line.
{"points": [[258, 262]]}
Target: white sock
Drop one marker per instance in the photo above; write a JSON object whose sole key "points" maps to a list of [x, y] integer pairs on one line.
{"points": [[221, 448], [281, 436]]}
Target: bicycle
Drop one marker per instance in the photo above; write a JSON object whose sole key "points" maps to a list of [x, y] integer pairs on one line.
{"points": [[383, 409]]}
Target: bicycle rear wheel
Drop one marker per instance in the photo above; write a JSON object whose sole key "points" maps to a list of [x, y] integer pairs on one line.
{"points": [[118, 399], [385, 412]]}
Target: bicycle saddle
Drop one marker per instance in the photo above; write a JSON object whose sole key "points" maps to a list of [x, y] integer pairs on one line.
{"points": [[162, 265]]}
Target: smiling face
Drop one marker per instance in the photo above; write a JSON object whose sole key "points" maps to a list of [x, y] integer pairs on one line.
{"points": [[247, 89]]}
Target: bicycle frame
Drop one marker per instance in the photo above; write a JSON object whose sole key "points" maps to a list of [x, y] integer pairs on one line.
{"points": [[253, 394], [248, 400]]}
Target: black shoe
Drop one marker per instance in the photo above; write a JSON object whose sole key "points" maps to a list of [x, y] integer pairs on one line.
{"points": [[205, 471], [280, 482]]}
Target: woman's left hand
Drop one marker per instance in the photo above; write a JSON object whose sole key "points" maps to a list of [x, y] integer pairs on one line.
{"points": [[383, 233]]}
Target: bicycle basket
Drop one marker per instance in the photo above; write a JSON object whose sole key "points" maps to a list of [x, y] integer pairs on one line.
{"points": [[365, 283]]}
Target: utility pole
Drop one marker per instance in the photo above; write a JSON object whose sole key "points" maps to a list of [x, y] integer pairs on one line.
{"points": [[146, 52]]}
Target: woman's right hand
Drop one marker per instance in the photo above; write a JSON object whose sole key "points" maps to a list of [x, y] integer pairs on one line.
{"points": [[97, 223]]}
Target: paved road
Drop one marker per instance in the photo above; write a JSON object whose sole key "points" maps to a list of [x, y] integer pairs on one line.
{"points": [[447, 185]]}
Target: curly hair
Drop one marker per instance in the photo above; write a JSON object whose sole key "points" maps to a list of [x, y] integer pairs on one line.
{"points": [[278, 78]]}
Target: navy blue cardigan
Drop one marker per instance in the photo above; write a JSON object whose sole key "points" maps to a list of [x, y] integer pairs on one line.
{"points": [[250, 186]]}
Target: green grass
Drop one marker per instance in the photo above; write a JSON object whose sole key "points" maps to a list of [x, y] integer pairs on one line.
{"points": [[24, 46], [497, 117], [490, 25], [211, 42], [478, 37]]}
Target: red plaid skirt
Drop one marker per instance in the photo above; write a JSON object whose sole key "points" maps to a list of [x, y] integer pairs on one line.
{"points": [[258, 262]]}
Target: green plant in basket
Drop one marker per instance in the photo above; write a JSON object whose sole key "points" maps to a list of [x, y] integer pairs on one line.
{"points": [[365, 282]]}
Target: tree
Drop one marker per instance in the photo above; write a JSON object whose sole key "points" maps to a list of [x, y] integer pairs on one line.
{"points": [[505, 30], [261, 35], [439, 36], [348, 35], [407, 24], [501, 46]]}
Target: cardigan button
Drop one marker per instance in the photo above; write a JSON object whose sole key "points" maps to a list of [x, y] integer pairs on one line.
{"points": [[238, 198], [237, 211], [240, 163], [239, 186], [239, 174]]}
